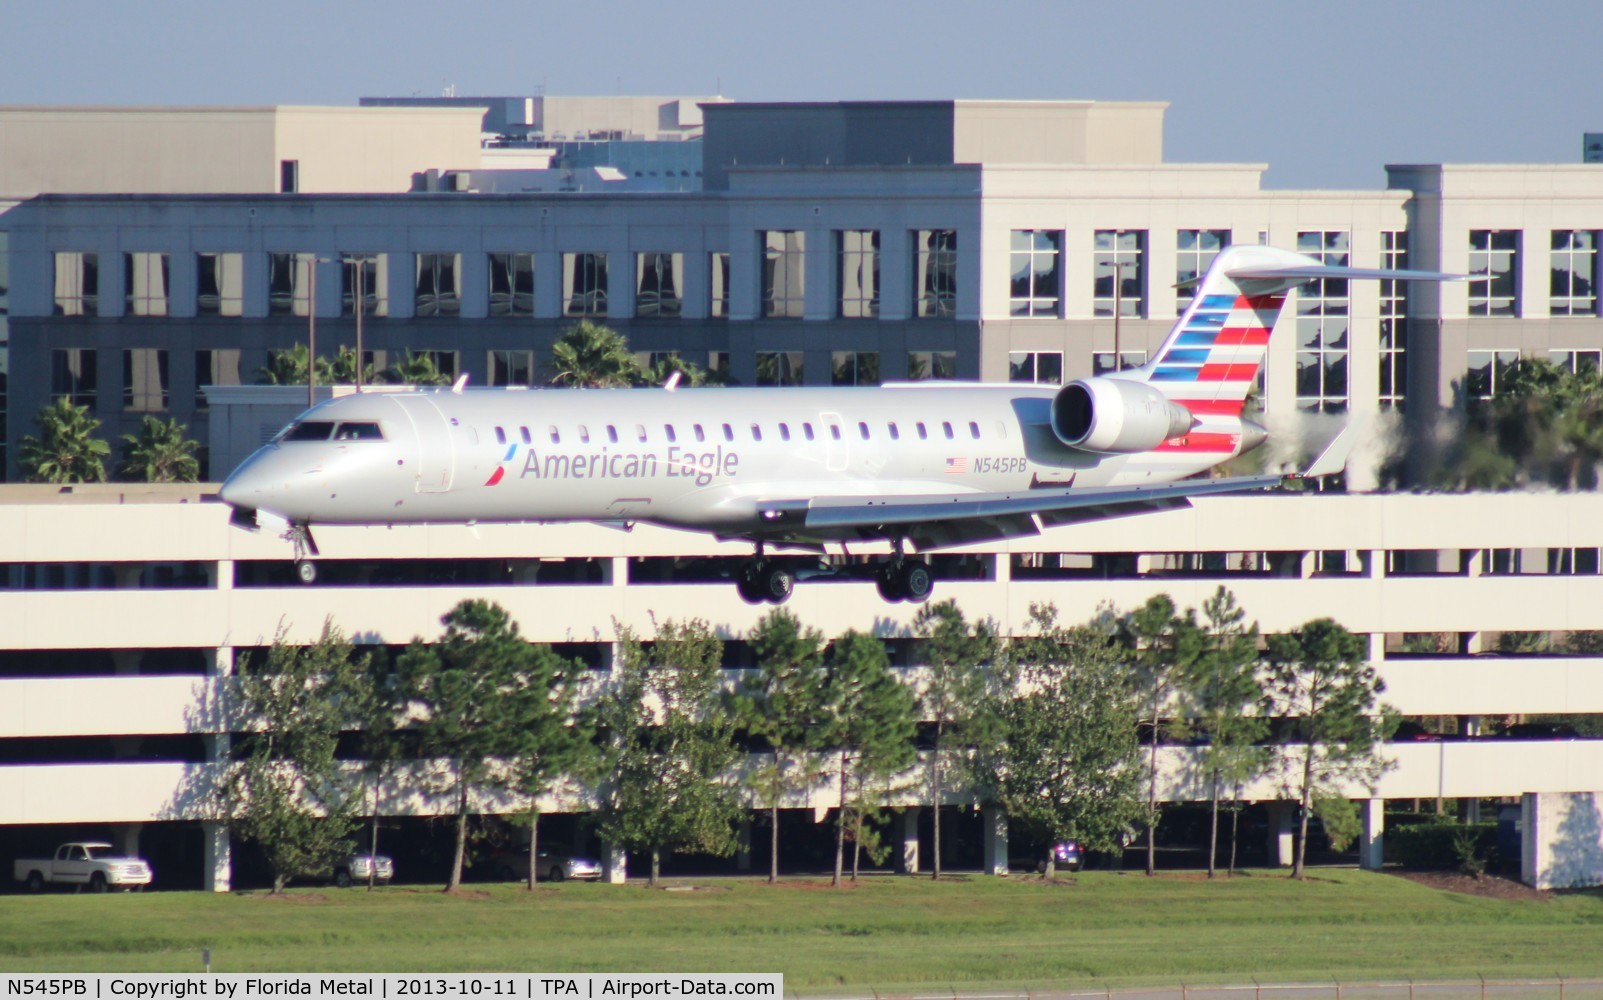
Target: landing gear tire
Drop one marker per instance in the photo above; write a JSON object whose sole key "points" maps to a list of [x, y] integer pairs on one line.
{"points": [[765, 583], [306, 572], [886, 580], [914, 580]]}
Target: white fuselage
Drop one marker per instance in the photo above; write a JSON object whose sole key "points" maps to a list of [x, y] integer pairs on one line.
{"points": [[701, 459]]}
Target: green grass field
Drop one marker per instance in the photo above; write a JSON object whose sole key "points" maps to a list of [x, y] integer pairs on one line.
{"points": [[890, 933]]}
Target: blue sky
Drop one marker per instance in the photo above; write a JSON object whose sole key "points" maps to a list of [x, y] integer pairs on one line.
{"points": [[1324, 93]]}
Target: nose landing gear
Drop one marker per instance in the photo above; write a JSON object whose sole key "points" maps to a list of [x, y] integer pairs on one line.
{"points": [[300, 538]]}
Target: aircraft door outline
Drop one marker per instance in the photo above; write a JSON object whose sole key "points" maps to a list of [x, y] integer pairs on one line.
{"points": [[837, 443], [436, 452]]}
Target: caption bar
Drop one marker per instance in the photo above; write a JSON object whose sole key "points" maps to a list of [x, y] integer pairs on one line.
{"points": [[246, 986]]}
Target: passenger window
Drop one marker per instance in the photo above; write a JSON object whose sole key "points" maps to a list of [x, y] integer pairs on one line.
{"points": [[500, 436], [667, 430], [700, 434], [729, 433], [807, 430], [784, 431], [584, 434], [946, 426], [556, 435], [756, 432], [896, 435], [640, 432], [612, 434], [973, 430], [834, 431], [862, 429], [523, 432], [923, 432]]}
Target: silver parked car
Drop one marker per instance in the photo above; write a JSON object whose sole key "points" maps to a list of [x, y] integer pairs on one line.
{"points": [[550, 866]]}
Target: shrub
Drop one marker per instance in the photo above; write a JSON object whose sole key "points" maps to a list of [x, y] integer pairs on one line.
{"points": [[1442, 845]]}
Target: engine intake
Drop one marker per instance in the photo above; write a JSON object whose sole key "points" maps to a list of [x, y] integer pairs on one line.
{"points": [[1116, 416]]}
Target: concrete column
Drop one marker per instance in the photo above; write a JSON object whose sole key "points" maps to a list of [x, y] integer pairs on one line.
{"points": [[1469, 725], [614, 864], [1281, 832], [1372, 834], [1307, 562], [615, 571], [126, 836], [1003, 567], [1472, 810], [907, 857], [743, 847], [1376, 646], [1470, 643], [218, 867], [995, 824]]}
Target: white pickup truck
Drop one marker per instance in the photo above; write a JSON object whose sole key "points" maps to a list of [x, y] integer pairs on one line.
{"points": [[83, 863]]}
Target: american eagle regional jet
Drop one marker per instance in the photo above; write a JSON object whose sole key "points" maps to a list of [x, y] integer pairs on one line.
{"points": [[925, 465]]}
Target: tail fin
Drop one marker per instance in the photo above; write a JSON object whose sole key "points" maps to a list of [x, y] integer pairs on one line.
{"points": [[1211, 358]]}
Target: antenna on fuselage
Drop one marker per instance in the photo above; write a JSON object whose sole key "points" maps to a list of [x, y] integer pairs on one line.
{"points": [[461, 380], [673, 382]]}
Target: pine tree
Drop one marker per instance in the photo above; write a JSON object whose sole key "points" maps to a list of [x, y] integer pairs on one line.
{"points": [[66, 450], [871, 715], [548, 740], [467, 691], [783, 704], [960, 659]]}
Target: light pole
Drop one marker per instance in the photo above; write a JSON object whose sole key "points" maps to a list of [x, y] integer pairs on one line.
{"points": [[359, 284], [312, 261], [1118, 267]]}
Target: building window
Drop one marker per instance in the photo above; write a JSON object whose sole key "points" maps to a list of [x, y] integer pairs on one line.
{"points": [[1121, 253], [511, 367], [718, 361], [367, 272], [145, 283], [718, 293], [77, 284], [215, 367], [1323, 327], [584, 284], [926, 365], [144, 380], [1574, 271], [1102, 361], [779, 368], [854, 368], [74, 375], [220, 284], [512, 284], [784, 273], [1037, 272], [1045, 367], [289, 176], [1577, 361], [1493, 272], [1393, 322], [289, 283], [857, 251], [1486, 372], [934, 273], [1197, 249], [439, 284], [658, 279]]}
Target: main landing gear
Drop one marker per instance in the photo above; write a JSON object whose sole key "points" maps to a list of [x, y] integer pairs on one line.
{"points": [[760, 580], [902, 579]]}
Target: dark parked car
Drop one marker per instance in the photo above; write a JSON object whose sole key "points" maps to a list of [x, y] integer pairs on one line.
{"points": [[1065, 854]]}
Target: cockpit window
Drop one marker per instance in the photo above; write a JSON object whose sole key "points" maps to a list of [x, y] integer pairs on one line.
{"points": [[310, 430], [353, 430]]}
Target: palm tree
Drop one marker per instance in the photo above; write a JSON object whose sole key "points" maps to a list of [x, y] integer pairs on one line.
{"points": [[418, 369], [159, 453], [66, 450], [690, 373], [591, 356], [288, 367], [343, 369]]}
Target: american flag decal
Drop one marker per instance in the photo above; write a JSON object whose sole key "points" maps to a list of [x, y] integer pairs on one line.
{"points": [[956, 466]]}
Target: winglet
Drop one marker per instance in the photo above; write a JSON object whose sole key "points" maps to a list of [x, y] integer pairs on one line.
{"points": [[1333, 459]]}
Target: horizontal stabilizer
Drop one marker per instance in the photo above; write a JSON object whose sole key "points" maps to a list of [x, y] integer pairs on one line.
{"points": [[1315, 272]]}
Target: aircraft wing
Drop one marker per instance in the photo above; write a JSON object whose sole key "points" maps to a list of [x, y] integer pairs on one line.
{"points": [[939, 520]]}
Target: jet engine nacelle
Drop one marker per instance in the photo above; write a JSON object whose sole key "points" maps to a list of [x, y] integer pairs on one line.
{"points": [[1116, 416]]}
